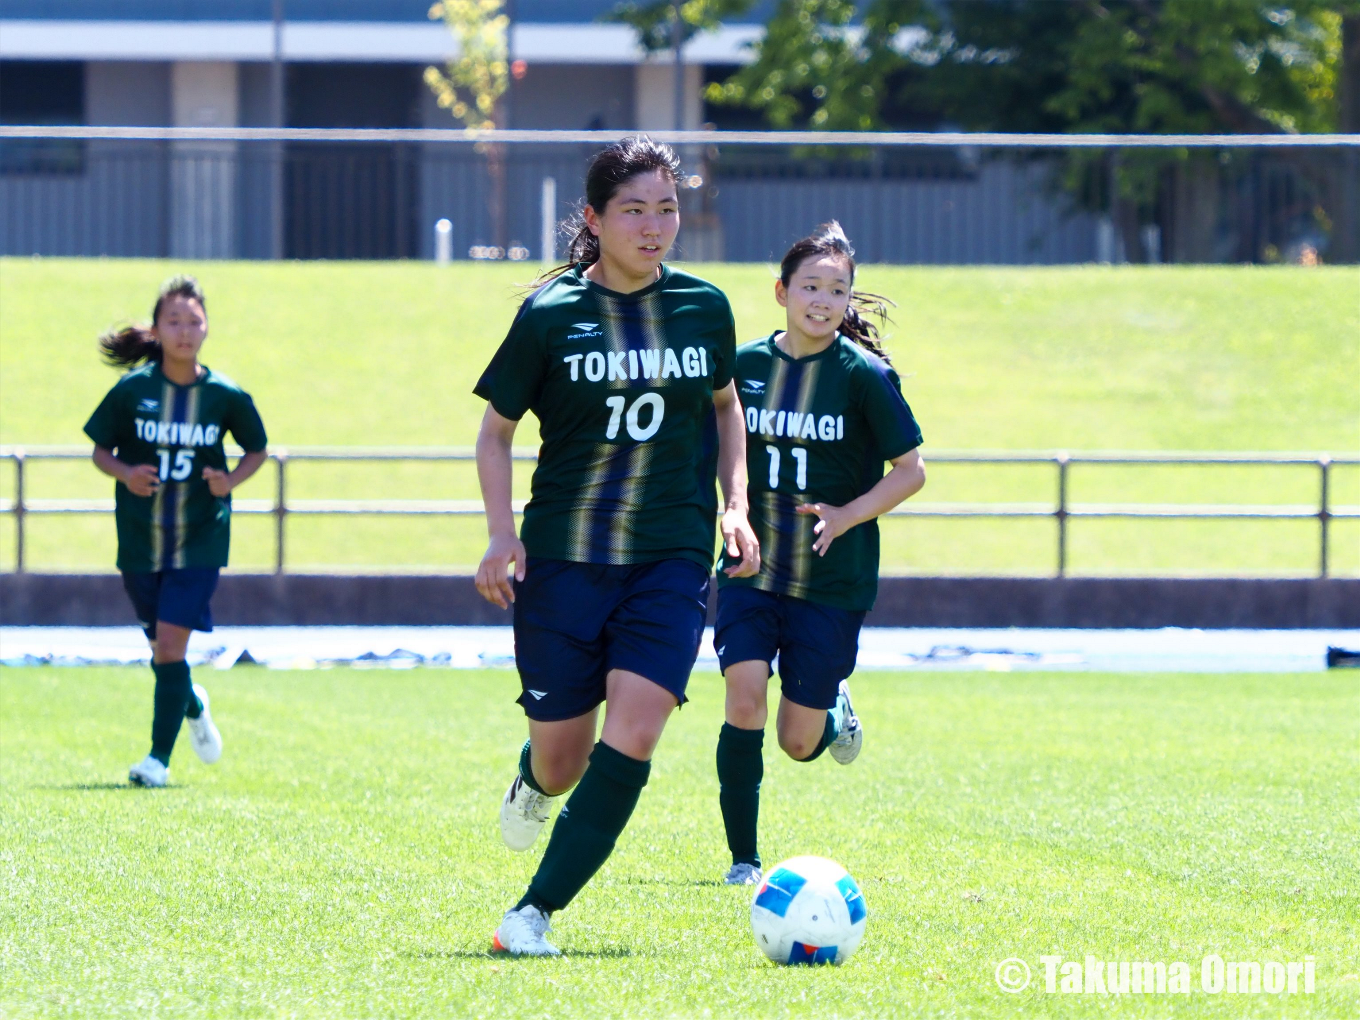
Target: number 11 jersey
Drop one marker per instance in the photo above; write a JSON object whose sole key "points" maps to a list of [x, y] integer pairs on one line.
{"points": [[622, 386], [818, 430]]}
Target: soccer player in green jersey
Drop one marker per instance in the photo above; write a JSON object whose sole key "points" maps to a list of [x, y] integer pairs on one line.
{"points": [[824, 411], [159, 432], [627, 365]]}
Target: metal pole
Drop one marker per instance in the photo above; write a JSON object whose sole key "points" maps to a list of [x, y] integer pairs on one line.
{"points": [[548, 222], [280, 512], [678, 43], [1324, 513], [508, 100], [278, 117], [276, 83], [1061, 514], [18, 511]]}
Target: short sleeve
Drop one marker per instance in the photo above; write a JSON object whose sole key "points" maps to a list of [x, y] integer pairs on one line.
{"points": [[890, 420], [104, 424], [513, 380], [245, 425], [726, 366]]}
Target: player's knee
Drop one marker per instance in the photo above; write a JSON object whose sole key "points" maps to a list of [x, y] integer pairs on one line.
{"points": [[558, 773], [746, 712], [796, 745], [636, 738]]}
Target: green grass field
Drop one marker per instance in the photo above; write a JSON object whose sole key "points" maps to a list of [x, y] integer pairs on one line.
{"points": [[1078, 358], [343, 859]]}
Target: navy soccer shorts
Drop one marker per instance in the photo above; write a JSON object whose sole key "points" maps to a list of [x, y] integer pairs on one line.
{"points": [[180, 597], [817, 645], [574, 622]]}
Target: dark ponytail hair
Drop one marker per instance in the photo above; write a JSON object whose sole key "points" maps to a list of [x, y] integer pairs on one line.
{"points": [[132, 345], [612, 166], [830, 239]]}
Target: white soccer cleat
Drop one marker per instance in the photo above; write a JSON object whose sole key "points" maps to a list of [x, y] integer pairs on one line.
{"points": [[149, 772], [523, 933], [742, 874], [203, 734], [845, 748], [524, 812]]}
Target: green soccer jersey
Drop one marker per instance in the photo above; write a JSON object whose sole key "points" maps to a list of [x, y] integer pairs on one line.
{"points": [[622, 386], [818, 431], [147, 419]]}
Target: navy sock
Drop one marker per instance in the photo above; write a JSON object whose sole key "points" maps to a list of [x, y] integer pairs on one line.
{"points": [[741, 767], [173, 691], [587, 827], [526, 770], [829, 735]]}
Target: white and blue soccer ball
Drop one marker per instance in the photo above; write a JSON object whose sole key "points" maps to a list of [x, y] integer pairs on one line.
{"points": [[808, 910]]}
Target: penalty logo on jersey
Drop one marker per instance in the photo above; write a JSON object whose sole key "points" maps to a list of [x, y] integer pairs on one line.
{"points": [[149, 404], [753, 385]]}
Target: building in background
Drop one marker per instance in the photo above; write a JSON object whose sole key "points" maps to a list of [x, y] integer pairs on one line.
{"points": [[359, 64], [347, 64]]}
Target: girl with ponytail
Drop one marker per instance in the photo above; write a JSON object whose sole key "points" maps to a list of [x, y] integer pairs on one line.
{"points": [[823, 413], [160, 434], [628, 365]]}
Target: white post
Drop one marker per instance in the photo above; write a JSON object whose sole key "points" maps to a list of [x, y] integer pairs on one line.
{"points": [[548, 213], [443, 242]]}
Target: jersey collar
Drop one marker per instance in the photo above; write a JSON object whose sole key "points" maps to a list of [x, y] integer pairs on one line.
{"points": [[159, 373], [778, 353], [591, 285]]}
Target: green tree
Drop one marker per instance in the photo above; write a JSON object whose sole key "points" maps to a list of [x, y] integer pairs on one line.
{"points": [[473, 81], [1035, 65], [655, 21], [1143, 66], [472, 84]]}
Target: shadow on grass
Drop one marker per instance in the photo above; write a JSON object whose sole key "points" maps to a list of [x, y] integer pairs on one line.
{"points": [[69, 787], [486, 954]]}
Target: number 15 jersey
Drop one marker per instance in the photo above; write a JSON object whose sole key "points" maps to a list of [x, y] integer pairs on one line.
{"points": [[622, 386], [147, 419]]}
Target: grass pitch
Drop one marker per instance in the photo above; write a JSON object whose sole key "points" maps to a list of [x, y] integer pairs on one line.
{"points": [[343, 859], [1076, 358]]}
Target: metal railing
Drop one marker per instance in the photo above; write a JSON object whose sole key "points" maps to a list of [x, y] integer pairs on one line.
{"points": [[1061, 510], [945, 198]]}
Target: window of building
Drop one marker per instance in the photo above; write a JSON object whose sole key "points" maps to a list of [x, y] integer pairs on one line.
{"points": [[47, 93]]}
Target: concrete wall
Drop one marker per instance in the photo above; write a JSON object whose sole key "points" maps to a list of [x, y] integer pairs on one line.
{"points": [[299, 599]]}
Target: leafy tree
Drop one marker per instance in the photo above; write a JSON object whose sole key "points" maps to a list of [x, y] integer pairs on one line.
{"points": [[655, 21], [1142, 66], [1035, 65], [473, 82]]}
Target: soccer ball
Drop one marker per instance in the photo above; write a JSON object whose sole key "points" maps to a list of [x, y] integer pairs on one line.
{"points": [[808, 910]]}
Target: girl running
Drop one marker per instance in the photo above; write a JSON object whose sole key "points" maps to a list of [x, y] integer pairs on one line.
{"points": [[824, 410], [159, 432], [627, 364]]}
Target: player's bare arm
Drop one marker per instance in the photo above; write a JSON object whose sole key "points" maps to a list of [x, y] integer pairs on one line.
{"points": [[738, 536], [494, 473], [141, 479], [906, 479], [220, 483]]}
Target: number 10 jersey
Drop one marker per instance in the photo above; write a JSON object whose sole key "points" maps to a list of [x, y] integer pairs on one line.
{"points": [[622, 386]]}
